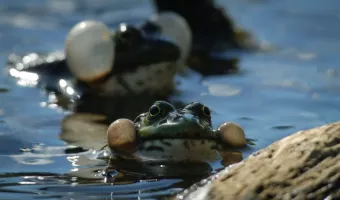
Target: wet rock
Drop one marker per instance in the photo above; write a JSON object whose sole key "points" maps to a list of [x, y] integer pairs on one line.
{"points": [[305, 165]]}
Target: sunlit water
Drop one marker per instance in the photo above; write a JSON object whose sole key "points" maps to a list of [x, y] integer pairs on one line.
{"points": [[294, 86]]}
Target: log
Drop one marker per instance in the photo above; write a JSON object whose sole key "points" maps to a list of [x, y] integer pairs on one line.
{"points": [[305, 165]]}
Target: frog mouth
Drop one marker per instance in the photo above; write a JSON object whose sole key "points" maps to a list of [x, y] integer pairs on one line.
{"points": [[188, 143], [184, 140], [179, 149]]}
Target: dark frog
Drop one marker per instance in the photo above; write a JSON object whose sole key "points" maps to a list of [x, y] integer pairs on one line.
{"points": [[135, 60], [166, 133], [130, 61]]}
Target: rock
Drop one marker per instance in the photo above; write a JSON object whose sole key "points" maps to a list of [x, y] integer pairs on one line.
{"points": [[305, 165]]}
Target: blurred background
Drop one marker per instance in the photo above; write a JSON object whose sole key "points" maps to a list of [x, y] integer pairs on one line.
{"points": [[293, 86]]}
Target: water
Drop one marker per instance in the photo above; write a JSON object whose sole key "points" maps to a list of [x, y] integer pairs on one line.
{"points": [[294, 86]]}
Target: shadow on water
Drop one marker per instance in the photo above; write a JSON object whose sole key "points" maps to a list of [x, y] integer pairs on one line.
{"points": [[293, 87]]}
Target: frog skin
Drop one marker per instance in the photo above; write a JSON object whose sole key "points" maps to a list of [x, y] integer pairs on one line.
{"points": [[166, 133]]}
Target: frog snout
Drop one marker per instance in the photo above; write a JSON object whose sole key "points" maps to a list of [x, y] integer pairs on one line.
{"points": [[187, 118]]}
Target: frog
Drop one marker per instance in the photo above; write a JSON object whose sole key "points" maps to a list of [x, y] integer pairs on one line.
{"points": [[108, 68], [128, 61], [131, 68], [163, 140], [165, 133], [132, 62]]}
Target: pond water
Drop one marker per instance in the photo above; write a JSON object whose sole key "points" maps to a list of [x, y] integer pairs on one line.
{"points": [[294, 86]]}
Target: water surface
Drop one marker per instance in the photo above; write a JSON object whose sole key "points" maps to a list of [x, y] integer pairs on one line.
{"points": [[294, 86]]}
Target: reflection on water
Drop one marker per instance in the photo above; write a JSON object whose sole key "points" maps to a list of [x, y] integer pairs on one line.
{"points": [[85, 130], [293, 87], [89, 131], [90, 176], [25, 78], [90, 173], [54, 186]]}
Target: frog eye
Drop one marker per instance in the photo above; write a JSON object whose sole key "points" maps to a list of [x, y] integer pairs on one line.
{"points": [[127, 35], [154, 110], [206, 111]]}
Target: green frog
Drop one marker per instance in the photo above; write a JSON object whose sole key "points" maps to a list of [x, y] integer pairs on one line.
{"points": [[170, 134]]}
